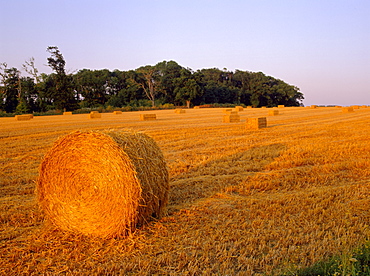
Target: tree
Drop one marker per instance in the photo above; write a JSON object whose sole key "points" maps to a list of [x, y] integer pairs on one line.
{"points": [[11, 88], [63, 94], [187, 88], [149, 81]]}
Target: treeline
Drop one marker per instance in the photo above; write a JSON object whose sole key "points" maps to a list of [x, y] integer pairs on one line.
{"points": [[164, 83]]}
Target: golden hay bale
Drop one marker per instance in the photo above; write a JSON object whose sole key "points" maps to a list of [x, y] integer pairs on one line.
{"points": [[117, 112], [363, 106], [256, 123], [227, 110], [249, 106], [148, 117], [313, 106], [94, 114], [281, 106], [103, 183], [239, 108], [273, 112], [24, 117], [356, 106], [67, 113], [347, 109], [196, 107], [231, 118], [179, 111]]}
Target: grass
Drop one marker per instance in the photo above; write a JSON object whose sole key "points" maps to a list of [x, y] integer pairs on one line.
{"points": [[287, 199]]}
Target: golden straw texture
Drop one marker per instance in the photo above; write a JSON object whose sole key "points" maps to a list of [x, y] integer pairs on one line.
{"points": [[256, 123], [148, 117], [24, 117], [103, 184]]}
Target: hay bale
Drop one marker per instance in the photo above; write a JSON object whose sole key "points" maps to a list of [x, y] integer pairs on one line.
{"points": [[179, 111], [196, 107], [94, 114], [103, 183], [227, 110], [67, 113], [148, 117], [24, 117], [356, 106], [239, 108], [249, 106], [273, 112], [313, 106], [256, 123], [281, 106], [231, 118], [117, 112], [347, 109]]}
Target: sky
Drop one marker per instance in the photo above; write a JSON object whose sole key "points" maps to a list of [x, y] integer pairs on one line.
{"points": [[320, 46]]}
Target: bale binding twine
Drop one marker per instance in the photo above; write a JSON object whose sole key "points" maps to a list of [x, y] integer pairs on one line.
{"points": [[103, 183]]}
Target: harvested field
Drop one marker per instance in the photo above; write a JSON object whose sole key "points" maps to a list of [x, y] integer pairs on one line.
{"points": [[241, 202]]}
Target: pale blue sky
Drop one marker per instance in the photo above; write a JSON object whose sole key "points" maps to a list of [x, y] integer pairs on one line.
{"points": [[320, 46]]}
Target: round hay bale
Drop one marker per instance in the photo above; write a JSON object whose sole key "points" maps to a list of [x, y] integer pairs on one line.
{"points": [[103, 184]]}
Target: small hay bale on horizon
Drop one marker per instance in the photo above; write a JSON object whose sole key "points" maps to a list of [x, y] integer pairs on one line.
{"points": [[180, 111], [256, 123], [347, 109], [23, 117], [148, 117], [117, 112], [231, 118], [273, 112], [313, 106], [103, 183], [67, 113], [239, 108], [94, 114]]}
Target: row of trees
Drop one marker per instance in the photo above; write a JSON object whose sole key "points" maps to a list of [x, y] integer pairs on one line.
{"points": [[165, 82]]}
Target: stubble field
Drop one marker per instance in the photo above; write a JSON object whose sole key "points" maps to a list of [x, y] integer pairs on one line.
{"points": [[242, 202]]}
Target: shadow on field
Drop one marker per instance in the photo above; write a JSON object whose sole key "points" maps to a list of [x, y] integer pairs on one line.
{"points": [[214, 176]]}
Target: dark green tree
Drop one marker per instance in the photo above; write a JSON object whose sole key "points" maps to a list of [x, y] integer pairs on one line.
{"points": [[63, 94]]}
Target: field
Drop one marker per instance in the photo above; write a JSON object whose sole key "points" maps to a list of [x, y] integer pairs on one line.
{"points": [[242, 202]]}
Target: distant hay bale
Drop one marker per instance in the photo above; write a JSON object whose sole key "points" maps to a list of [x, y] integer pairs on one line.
{"points": [[256, 123], [313, 106], [363, 106], [347, 109], [196, 107], [117, 112], [356, 106], [281, 106], [103, 183], [94, 114], [67, 113], [180, 111], [227, 110], [263, 107], [231, 118], [148, 117], [273, 112], [24, 117], [249, 106], [239, 108]]}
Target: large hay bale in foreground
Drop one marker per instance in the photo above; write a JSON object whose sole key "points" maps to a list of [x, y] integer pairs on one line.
{"points": [[103, 184]]}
